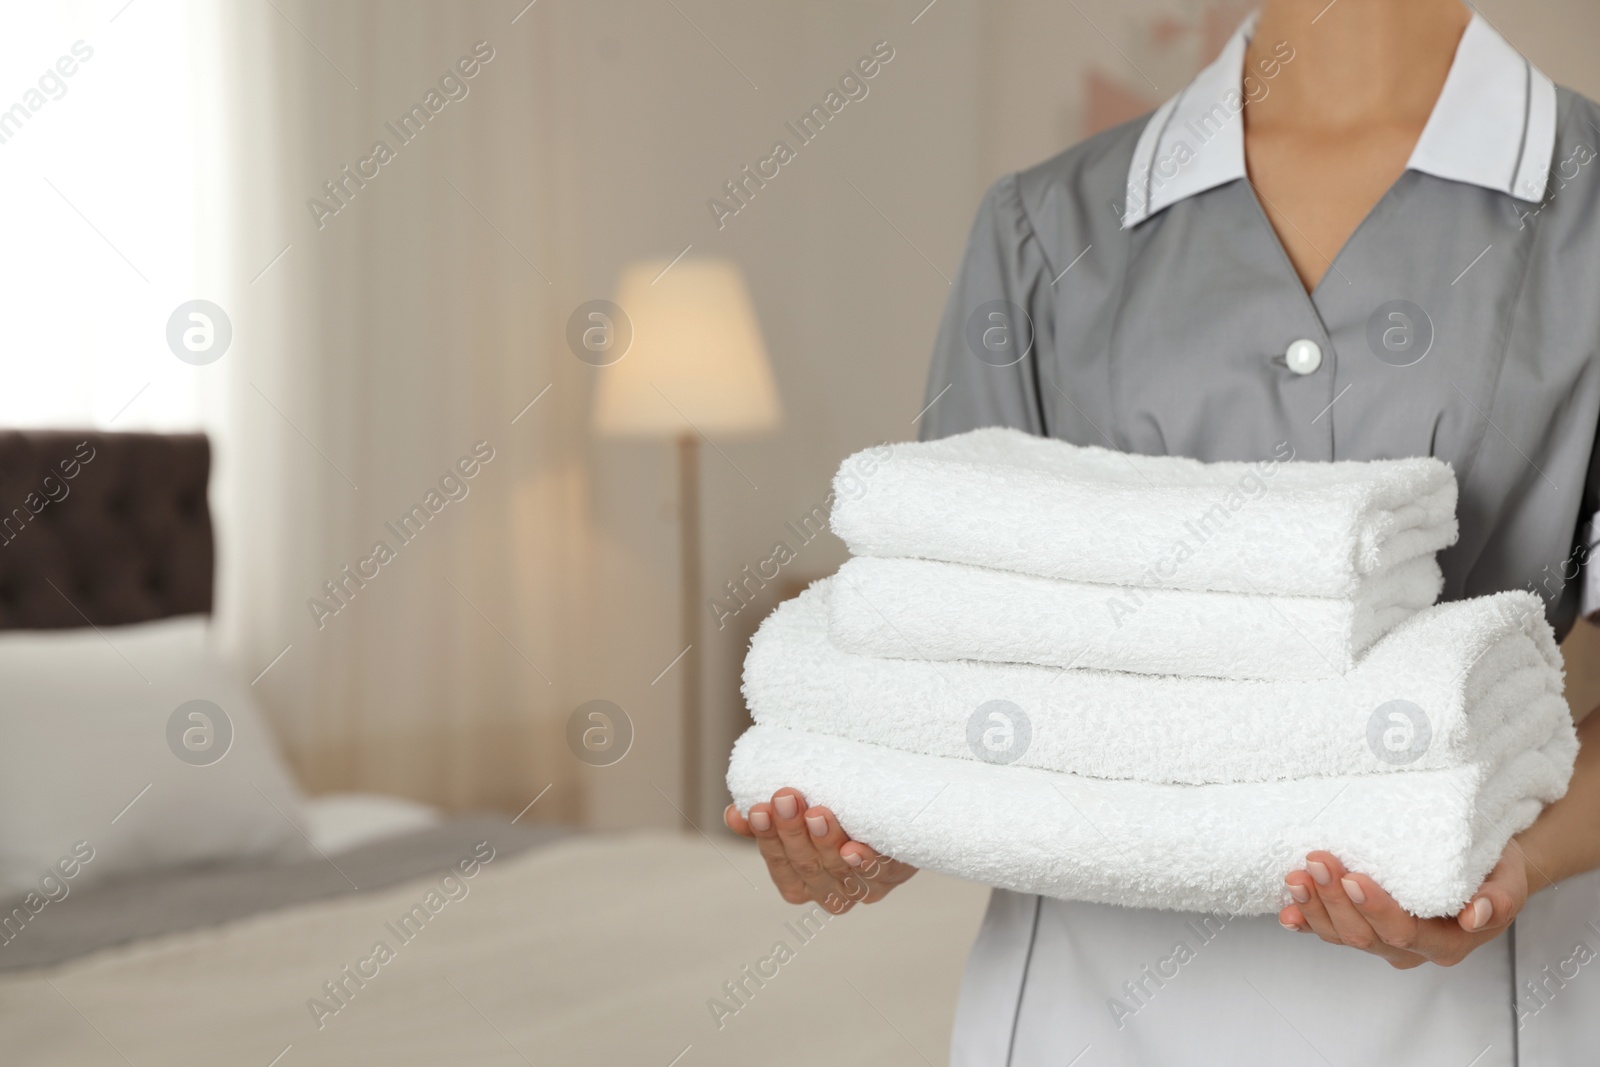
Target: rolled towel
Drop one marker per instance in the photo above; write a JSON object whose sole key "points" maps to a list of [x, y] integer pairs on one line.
{"points": [[1472, 680], [921, 609], [1005, 499], [1429, 837]]}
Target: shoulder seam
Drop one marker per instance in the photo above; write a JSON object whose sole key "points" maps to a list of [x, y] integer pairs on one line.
{"points": [[1014, 181]]}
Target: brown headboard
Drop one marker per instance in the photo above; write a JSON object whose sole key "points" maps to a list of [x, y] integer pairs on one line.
{"points": [[102, 528]]}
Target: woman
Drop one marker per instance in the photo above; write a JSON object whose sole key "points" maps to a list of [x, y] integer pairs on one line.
{"points": [[1368, 230]]}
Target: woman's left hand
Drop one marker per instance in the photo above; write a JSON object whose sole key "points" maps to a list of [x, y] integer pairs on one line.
{"points": [[1351, 909]]}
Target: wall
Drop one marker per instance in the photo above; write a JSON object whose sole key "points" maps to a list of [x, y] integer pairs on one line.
{"points": [[656, 122]]}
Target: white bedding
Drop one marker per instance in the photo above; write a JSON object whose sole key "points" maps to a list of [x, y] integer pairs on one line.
{"points": [[336, 822], [599, 950]]}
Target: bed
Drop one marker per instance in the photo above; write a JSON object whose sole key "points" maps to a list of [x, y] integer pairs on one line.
{"points": [[231, 920]]}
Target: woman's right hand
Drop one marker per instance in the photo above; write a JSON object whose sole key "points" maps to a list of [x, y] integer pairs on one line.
{"points": [[810, 857]]}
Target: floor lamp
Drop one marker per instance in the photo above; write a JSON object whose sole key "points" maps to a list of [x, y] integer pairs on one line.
{"points": [[696, 368]]}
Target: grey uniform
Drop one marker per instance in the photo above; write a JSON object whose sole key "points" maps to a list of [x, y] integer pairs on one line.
{"points": [[1115, 296]]}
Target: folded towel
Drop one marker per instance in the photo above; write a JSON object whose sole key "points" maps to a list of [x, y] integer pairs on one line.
{"points": [[1472, 680], [1001, 498], [919, 609], [1427, 837]]}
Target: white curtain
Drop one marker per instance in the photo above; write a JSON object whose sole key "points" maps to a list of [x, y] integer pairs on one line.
{"points": [[375, 348]]}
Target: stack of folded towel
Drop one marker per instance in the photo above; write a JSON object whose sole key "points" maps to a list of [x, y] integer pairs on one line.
{"points": [[1156, 682]]}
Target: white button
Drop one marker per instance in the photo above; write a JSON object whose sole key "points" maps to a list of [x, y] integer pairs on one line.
{"points": [[1303, 357]]}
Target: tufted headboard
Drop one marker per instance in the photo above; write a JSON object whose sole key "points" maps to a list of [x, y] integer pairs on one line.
{"points": [[102, 528]]}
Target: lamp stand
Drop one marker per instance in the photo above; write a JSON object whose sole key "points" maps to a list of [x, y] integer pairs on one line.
{"points": [[689, 599]]}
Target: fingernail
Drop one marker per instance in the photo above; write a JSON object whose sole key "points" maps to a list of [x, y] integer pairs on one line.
{"points": [[1319, 871], [1291, 927], [1352, 889], [852, 858], [817, 825], [759, 822], [1481, 910], [1301, 894], [785, 805], [727, 816]]}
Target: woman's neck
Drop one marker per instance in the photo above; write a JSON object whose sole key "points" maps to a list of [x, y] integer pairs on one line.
{"points": [[1360, 61]]}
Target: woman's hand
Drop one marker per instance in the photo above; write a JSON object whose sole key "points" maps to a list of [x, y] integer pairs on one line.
{"points": [[810, 858], [1351, 909]]}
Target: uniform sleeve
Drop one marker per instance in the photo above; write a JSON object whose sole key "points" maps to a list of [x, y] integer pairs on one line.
{"points": [[1581, 569], [997, 323]]}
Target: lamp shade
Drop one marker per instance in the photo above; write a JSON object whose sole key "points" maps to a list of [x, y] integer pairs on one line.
{"points": [[696, 362]]}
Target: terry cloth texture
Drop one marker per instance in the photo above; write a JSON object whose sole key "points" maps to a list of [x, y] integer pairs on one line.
{"points": [[1473, 681], [1428, 837], [920, 609], [1009, 500]]}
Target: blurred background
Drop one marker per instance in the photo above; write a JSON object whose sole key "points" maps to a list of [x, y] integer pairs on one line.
{"points": [[391, 312]]}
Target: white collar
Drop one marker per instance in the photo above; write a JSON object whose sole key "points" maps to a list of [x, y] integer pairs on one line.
{"points": [[1493, 125]]}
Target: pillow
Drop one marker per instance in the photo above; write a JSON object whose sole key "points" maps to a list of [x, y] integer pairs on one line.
{"points": [[128, 748]]}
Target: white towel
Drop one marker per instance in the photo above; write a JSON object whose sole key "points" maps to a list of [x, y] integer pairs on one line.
{"points": [[920, 609], [1427, 837], [1001, 498], [1472, 680]]}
